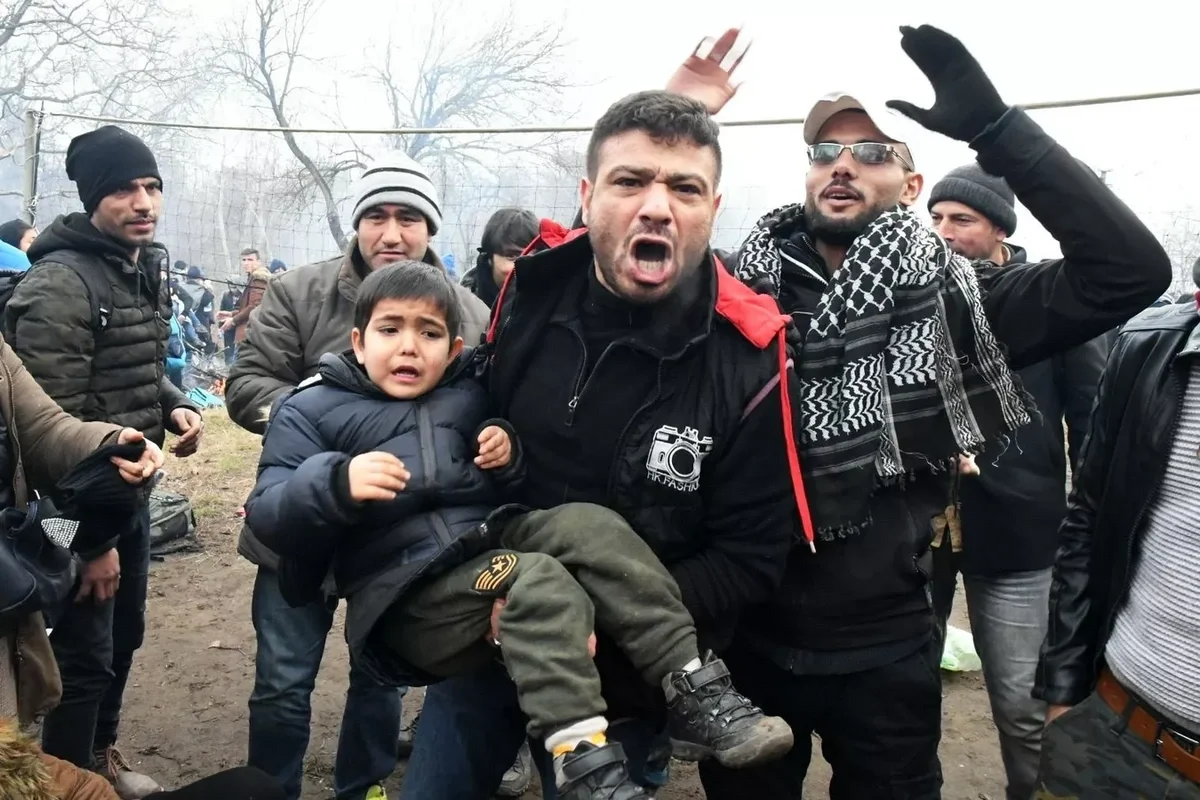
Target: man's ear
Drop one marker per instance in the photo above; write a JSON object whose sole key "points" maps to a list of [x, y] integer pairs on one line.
{"points": [[585, 198], [911, 190], [356, 341]]}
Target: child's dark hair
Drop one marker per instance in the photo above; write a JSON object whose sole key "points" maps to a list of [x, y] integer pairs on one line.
{"points": [[408, 280]]}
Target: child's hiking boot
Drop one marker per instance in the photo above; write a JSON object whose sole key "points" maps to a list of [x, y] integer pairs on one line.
{"points": [[596, 772], [706, 717]]}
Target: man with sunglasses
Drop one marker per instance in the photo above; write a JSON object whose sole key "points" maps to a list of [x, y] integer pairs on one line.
{"points": [[906, 358]]}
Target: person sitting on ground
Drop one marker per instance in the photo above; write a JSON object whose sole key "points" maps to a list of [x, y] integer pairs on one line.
{"points": [[423, 553], [507, 233]]}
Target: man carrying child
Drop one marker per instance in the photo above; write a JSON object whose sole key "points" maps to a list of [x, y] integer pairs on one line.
{"points": [[388, 467]]}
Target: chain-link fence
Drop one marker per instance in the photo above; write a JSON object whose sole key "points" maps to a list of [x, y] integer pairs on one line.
{"points": [[230, 188]]}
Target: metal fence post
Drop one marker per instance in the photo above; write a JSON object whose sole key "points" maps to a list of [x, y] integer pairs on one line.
{"points": [[33, 144]]}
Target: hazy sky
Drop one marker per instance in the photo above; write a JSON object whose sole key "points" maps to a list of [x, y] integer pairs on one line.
{"points": [[1034, 50]]}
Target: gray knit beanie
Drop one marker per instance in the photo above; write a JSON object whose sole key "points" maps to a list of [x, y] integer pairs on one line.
{"points": [[985, 193], [397, 179]]}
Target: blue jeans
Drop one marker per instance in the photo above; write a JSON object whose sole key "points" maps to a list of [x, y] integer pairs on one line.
{"points": [[291, 642], [1009, 615], [94, 646], [470, 731]]}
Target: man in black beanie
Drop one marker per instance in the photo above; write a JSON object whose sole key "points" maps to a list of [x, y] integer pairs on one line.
{"points": [[1011, 510], [90, 322]]}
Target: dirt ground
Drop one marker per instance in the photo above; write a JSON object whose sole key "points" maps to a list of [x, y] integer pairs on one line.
{"points": [[185, 706]]}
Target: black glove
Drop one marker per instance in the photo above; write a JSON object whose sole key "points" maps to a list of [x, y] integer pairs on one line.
{"points": [[965, 101]]}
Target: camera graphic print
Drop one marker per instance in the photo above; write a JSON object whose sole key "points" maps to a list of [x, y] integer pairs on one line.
{"points": [[675, 457]]}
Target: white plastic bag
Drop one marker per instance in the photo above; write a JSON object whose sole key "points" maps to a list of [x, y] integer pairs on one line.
{"points": [[958, 654]]}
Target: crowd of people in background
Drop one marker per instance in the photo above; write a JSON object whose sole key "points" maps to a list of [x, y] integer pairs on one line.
{"points": [[616, 496]]}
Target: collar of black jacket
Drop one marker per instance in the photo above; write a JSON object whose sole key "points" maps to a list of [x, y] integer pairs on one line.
{"points": [[553, 272]]}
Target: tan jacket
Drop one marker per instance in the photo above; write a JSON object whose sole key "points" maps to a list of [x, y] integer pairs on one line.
{"points": [[29, 774], [46, 443]]}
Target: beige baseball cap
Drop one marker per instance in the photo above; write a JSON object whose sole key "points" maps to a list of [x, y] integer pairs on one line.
{"points": [[891, 124]]}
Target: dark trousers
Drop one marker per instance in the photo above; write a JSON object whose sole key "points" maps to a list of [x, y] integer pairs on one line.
{"points": [[471, 728], [565, 572], [291, 643], [879, 730], [94, 646], [240, 783], [1089, 753]]}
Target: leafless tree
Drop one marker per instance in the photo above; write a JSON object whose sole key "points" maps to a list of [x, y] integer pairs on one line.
{"points": [[264, 55], [1181, 240], [92, 57], [506, 76]]}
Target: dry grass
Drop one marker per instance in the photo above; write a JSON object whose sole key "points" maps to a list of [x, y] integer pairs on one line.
{"points": [[219, 477]]}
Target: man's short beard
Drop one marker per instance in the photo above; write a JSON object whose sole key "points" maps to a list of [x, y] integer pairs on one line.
{"points": [[838, 232]]}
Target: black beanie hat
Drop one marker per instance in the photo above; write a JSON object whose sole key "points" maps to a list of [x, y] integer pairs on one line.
{"points": [[105, 160], [94, 494], [985, 193]]}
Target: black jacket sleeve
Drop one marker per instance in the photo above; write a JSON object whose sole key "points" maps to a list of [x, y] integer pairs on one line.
{"points": [[1065, 670], [1079, 372], [1112, 266], [751, 521]]}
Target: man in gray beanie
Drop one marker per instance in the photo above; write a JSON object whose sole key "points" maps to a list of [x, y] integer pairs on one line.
{"points": [[1010, 511], [305, 313], [975, 213]]}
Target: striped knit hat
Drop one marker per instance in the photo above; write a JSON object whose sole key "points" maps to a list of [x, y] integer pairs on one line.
{"points": [[397, 179]]}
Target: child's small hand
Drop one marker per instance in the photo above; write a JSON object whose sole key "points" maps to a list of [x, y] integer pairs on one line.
{"points": [[377, 476], [495, 448]]}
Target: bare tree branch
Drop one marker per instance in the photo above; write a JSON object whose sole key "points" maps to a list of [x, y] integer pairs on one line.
{"points": [[263, 56], [507, 75], [1181, 240], [97, 58]]}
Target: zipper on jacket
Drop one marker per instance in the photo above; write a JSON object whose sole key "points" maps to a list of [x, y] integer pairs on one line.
{"points": [[618, 451], [441, 529], [428, 449], [581, 383]]}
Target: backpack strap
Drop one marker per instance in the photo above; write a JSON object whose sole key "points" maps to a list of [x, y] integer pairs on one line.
{"points": [[99, 288]]}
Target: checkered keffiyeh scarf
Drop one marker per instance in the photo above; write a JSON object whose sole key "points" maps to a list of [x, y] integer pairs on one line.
{"points": [[899, 369]]}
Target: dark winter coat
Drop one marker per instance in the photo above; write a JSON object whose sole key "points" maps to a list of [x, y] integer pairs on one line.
{"points": [[306, 313], [701, 466], [864, 596], [117, 374], [1011, 511], [301, 506]]}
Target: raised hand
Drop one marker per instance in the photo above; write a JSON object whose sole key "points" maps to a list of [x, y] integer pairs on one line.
{"points": [[965, 101], [703, 79]]}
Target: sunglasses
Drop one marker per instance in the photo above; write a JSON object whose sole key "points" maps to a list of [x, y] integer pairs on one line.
{"points": [[868, 153]]}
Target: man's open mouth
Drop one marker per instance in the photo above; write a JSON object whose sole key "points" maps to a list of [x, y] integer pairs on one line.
{"points": [[841, 194], [651, 253]]}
